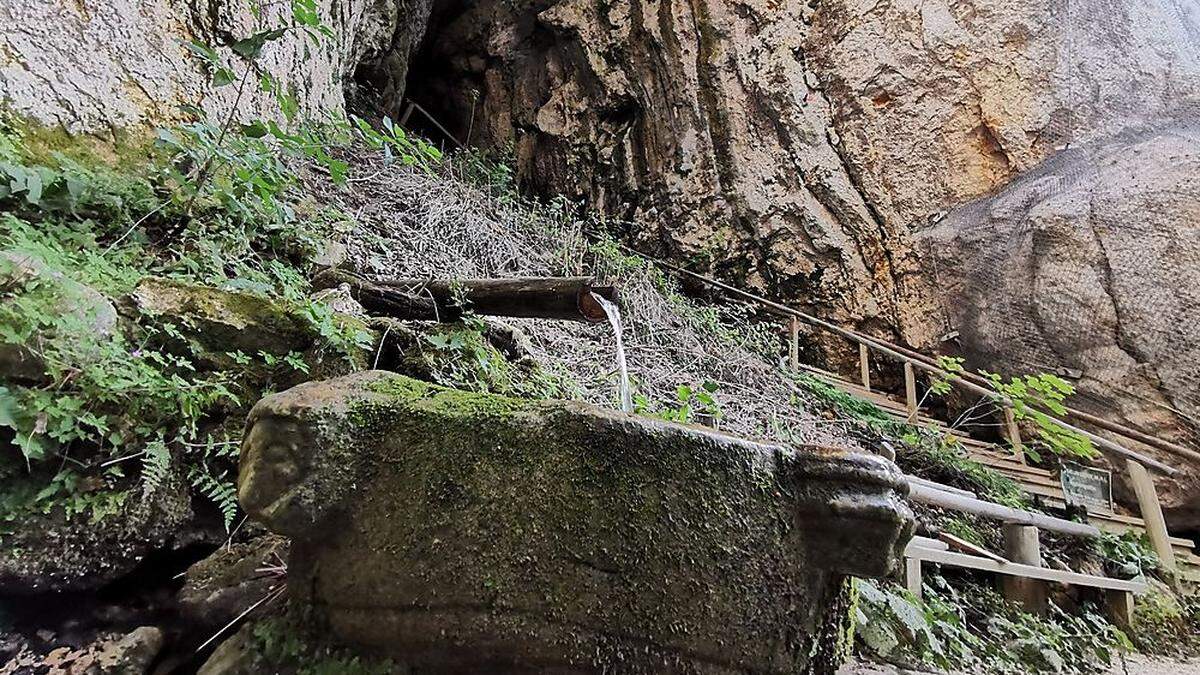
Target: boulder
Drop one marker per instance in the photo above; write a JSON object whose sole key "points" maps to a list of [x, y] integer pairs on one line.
{"points": [[216, 321], [221, 587], [88, 308], [130, 655], [106, 654], [468, 531], [1087, 266], [940, 102], [45, 553]]}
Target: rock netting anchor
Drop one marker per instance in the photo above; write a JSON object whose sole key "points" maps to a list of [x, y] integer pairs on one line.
{"points": [[463, 531]]}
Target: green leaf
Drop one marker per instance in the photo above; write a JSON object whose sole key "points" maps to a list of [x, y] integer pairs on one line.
{"points": [[909, 615], [33, 187], [879, 637], [256, 129], [222, 77], [204, 51], [8, 407], [251, 47]]}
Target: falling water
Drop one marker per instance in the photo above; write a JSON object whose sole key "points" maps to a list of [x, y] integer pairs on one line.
{"points": [[614, 317]]}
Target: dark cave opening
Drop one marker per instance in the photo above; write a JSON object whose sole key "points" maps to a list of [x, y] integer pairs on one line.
{"points": [[433, 92]]}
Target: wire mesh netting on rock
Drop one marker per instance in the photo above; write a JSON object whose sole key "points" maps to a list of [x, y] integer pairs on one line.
{"points": [[1087, 266], [407, 223]]}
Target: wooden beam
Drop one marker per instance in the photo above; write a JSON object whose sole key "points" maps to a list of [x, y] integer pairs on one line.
{"points": [[926, 542], [1120, 608], [939, 486], [413, 104], [1022, 545], [910, 391], [794, 344], [1014, 434], [1011, 568], [1007, 514], [864, 365], [964, 546], [912, 576], [1151, 512]]}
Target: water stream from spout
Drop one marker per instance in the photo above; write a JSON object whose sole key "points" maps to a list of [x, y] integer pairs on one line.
{"points": [[614, 318]]}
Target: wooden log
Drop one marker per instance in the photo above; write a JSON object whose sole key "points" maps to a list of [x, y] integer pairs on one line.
{"points": [[568, 298], [378, 300], [529, 297], [1151, 512]]}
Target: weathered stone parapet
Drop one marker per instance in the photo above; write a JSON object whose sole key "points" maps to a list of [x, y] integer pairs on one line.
{"points": [[463, 531]]}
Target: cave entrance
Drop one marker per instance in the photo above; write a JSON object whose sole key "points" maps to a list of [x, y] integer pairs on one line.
{"points": [[437, 94]]}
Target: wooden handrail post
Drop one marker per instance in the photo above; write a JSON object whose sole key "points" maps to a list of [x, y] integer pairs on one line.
{"points": [[1014, 434], [910, 391], [864, 365], [1022, 545], [912, 576], [1151, 508], [794, 344]]}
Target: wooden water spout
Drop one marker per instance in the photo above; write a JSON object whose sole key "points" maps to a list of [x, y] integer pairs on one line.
{"points": [[569, 298]]}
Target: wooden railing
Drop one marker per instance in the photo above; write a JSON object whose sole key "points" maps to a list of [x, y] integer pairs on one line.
{"points": [[1137, 465]]}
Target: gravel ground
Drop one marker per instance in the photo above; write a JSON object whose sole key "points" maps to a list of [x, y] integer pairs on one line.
{"points": [[1136, 664]]}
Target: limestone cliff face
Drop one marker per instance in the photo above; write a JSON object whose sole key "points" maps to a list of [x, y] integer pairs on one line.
{"points": [[701, 122], [100, 65], [1091, 262], [794, 146], [940, 102]]}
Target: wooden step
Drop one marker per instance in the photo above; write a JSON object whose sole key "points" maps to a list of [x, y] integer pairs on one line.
{"points": [[1008, 464]]}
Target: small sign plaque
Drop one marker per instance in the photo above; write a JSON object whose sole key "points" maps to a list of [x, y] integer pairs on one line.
{"points": [[1088, 487]]}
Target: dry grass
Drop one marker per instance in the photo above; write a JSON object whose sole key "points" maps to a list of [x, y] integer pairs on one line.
{"points": [[410, 224]]}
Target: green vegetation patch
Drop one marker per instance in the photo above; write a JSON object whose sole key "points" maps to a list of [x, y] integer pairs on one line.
{"points": [[973, 629]]}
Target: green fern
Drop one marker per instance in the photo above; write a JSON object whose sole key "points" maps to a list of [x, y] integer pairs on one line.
{"points": [[156, 463], [221, 493]]}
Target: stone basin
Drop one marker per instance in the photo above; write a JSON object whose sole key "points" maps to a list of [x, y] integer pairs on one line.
{"points": [[469, 532]]}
